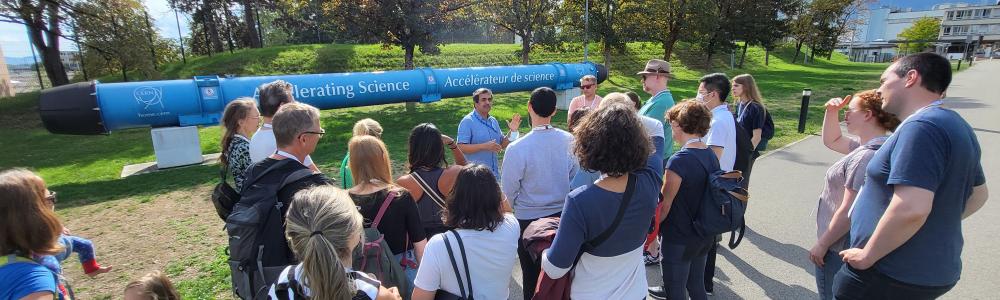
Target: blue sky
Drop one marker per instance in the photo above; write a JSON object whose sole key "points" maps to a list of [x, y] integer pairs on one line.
{"points": [[14, 38]]}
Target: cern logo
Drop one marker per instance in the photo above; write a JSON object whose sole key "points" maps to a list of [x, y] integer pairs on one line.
{"points": [[148, 96]]}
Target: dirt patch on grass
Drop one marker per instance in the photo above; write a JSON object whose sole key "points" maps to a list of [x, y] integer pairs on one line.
{"points": [[137, 235]]}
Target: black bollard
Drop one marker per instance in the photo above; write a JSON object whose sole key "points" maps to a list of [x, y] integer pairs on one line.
{"points": [[959, 68], [806, 93]]}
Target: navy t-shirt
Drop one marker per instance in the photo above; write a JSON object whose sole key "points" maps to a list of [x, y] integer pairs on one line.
{"points": [[935, 149], [677, 227], [751, 116]]}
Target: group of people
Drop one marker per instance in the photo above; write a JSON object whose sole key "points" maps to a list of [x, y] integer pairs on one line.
{"points": [[609, 195]]}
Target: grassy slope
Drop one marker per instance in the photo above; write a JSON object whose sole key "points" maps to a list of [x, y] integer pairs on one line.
{"points": [[85, 169]]}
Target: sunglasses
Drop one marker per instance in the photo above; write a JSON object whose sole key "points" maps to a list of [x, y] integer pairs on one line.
{"points": [[587, 86], [658, 71], [51, 197], [319, 133]]}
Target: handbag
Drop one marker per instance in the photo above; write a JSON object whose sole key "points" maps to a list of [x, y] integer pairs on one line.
{"points": [[445, 295], [224, 197]]}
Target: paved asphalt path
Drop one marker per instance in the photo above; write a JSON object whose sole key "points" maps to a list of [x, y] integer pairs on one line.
{"points": [[772, 262]]}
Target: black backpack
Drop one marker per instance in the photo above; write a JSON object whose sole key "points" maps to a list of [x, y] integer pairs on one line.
{"points": [[724, 204], [247, 235]]}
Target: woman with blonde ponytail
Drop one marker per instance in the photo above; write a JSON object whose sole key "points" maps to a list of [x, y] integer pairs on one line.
{"points": [[323, 227]]}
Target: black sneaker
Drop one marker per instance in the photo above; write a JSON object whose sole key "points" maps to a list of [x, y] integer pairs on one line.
{"points": [[708, 292], [657, 292]]}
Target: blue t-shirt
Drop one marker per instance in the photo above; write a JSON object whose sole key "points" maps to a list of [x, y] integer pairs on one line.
{"points": [[473, 129], [935, 149], [590, 209], [677, 227], [19, 279]]}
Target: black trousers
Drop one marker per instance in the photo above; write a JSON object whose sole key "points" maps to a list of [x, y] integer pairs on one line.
{"points": [[851, 283], [530, 268]]}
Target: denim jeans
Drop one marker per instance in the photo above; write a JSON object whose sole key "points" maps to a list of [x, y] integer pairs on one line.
{"points": [[411, 272], [682, 277], [826, 273], [851, 283]]}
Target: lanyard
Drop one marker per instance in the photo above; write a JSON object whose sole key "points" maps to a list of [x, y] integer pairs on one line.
{"points": [[288, 155], [691, 141], [591, 104], [741, 109], [542, 127], [485, 123]]}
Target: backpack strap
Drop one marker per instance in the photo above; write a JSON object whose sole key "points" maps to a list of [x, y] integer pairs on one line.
{"points": [[428, 190], [454, 266], [465, 261], [281, 289], [13, 258], [385, 206], [604, 236]]}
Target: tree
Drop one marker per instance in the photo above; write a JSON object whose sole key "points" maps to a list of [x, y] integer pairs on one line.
{"points": [[667, 18], [43, 19], [614, 22], [720, 38], [765, 23], [520, 17], [127, 41], [409, 24], [920, 35]]}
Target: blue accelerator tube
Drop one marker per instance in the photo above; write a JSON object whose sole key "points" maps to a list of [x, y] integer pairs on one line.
{"points": [[89, 108]]}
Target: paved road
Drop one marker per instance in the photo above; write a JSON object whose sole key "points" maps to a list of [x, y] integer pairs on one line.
{"points": [[772, 260]]}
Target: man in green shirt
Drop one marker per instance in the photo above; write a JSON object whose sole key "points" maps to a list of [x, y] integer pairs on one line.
{"points": [[654, 81]]}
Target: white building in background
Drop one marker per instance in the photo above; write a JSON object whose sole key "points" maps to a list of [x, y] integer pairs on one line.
{"points": [[977, 25], [874, 37]]}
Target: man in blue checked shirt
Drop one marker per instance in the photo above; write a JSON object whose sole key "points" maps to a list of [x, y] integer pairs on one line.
{"points": [[479, 135]]}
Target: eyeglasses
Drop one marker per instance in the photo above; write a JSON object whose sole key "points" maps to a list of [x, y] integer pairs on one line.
{"points": [[319, 133], [587, 86], [486, 98], [51, 197]]}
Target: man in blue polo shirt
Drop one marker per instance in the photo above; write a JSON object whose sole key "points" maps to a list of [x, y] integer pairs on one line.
{"points": [[906, 224], [479, 135]]}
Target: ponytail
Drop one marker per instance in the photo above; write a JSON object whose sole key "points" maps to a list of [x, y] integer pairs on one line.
{"points": [[323, 227]]}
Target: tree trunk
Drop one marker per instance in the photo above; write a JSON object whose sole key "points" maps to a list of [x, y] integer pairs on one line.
{"points": [[767, 56], [812, 53], [408, 65], [674, 33], [227, 22], [525, 47], [212, 30], [47, 45], [607, 55], [798, 49], [744, 55], [250, 36]]}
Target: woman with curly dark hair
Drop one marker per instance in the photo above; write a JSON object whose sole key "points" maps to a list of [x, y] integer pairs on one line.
{"points": [[870, 123], [683, 251], [620, 203]]}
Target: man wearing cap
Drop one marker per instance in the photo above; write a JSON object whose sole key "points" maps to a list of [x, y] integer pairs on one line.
{"points": [[654, 81]]}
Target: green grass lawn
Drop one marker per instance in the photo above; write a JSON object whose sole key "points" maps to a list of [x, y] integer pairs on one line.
{"points": [[85, 169]]}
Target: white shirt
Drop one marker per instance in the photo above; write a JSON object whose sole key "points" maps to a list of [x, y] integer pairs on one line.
{"points": [[491, 258], [654, 128], [722, 133], [263, 144], [369, 286]]}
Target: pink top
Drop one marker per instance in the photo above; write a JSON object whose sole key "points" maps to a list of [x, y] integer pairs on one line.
{"points": [[580, 102]]}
